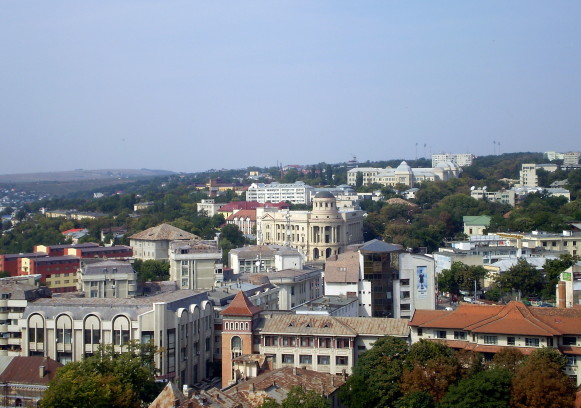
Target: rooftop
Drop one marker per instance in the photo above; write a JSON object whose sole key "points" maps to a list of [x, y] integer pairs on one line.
{"points": [[163, 232]]}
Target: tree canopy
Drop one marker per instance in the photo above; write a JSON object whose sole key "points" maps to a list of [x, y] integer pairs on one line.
{"points": [[107, 379]]}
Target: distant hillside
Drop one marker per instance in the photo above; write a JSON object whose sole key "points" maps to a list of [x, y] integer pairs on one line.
{"points": [[82, 175]]}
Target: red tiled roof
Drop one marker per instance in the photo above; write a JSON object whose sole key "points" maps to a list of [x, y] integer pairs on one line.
{"points": [[241, 306], [514, 318]]}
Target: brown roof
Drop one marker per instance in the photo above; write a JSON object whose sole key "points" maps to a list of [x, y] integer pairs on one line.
{"points": [[342, 268], [241, 306], [168, 397], [26, 370], [277, 383], [163, 232], [514, 318], [243, 214], [332, 325]]}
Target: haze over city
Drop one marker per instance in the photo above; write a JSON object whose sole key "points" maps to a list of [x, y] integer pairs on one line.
{"points": [[189, 86]]}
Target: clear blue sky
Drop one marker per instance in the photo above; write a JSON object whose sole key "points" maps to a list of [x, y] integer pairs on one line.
{"points": [[193, 85]]}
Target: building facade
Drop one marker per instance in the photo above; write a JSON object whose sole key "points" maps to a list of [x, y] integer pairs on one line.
{"points": [[195, 264], [252, 339], [296, 193], [181, 323], [109, 280], [318, 234], [460, 159], [488, 329], [403, 174], [153, 243]]}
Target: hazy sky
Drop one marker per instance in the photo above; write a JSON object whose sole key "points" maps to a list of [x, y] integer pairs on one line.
{"points": [[193, 85]]}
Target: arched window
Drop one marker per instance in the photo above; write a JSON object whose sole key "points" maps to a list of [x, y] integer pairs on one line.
{"points": [[121, 330], [236, 346]]}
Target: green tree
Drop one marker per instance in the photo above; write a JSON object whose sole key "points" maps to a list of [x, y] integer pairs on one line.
{"points": [[375, 378], [461, 277], [151, 270], [486, 389], [553, 269], [107, 379], [358, 180], [416, 399], [541, 383], [522, 277]]}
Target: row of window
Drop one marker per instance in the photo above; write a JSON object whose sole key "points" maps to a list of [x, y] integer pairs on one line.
{"points": [[307, 359], [510, 340], [304, 341]]}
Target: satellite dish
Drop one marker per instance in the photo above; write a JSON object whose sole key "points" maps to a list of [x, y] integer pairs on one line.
{"points": [[484, 188], [472, 188]]}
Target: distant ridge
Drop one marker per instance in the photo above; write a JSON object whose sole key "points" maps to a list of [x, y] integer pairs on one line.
{"points": [[81, 174]]}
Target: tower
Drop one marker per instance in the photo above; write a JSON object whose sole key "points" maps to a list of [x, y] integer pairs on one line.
{"points": [[238, 321]]}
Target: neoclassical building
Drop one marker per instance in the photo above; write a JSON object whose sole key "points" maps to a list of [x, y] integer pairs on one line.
{"points": [[403, 174], [318, 234]]}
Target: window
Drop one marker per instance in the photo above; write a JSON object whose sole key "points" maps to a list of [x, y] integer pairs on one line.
{"points": [[342, 342], [571, 361], [92, 336], [531, 342], [323, 360], [459, 335], [490, 339], [288, 359], [510, 341], [324, 342], [405, 282], [288, 341], [341, 360], [440, 334], [569, 341], [420, 331], [270, 340], [306, 342], [306, 359]]}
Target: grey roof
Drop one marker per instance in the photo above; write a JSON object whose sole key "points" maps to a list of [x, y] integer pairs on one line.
{"points": [[376, 245], [324, 194], [108, 308], [110, 267]]}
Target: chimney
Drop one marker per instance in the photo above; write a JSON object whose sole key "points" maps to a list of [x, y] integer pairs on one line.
{"points": [[252, 387], [295, 371], [562, 294], [41, 371], [332, 380]]}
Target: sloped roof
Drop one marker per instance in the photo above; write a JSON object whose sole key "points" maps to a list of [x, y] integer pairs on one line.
{"points": [[168, 396], [26, 370], [163, 232], [477, 220], [243, 214], [241, 306], [342, 268], [331, 325], [514, 318], [376, 245]]}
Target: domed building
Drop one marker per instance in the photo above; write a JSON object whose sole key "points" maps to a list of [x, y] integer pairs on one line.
{"points": [[318, 234]]}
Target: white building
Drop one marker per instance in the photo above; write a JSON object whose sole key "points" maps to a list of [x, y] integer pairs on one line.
{"points": [[296, 193], [195, 264], [264, 258], [571, 158], [208, 207], [153, 243], [403, 174], [460, 159], [318, 234], [180, 322], [108, 279], [388, 281]]}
